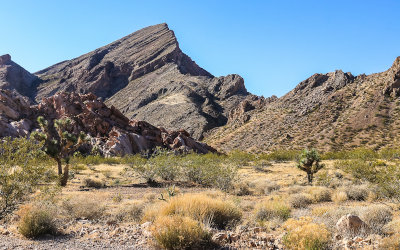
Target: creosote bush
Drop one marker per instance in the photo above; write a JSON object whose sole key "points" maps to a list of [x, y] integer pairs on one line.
{"points": [[304, 234], [23, 166], [180, 232], [215, 212]]}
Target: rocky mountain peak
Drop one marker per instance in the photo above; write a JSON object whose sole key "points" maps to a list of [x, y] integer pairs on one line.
{"points": [[4, 59]]}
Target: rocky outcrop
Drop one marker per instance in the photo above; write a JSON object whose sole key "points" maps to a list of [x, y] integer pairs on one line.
{"points": [[109, 130]]}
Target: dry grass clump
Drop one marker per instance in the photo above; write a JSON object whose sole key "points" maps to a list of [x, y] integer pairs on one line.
{"points": [[83, 207], [36, 221], [131, 212], [265, 187], [377, 216], [339, 196], [202, 208], [304, 234], [320, 211], [89, 182], [320, 194], [300, 200], [391, 242], [357, 193], [179, 232], [242, 189], [272, 209], [392, 227]]}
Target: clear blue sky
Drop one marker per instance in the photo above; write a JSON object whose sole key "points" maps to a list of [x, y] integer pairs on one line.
{"points": [[273, 44]]}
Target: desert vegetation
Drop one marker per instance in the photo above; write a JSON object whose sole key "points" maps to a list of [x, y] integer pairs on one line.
{"points": [[185, 201]]}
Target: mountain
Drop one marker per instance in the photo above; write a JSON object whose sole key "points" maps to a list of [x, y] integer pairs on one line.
{"points": [[332, 111], [14, 77], [146, 76]]}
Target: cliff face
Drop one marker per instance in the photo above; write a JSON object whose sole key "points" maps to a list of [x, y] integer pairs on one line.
{"points": [[148, 77], [332, 111]]}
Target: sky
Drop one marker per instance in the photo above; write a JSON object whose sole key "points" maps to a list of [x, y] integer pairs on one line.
{"points": [[272, 44]]}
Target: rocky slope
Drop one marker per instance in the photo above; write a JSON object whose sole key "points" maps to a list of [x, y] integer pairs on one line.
{"points": [[330, 111], [146, 76], [109, 130]]}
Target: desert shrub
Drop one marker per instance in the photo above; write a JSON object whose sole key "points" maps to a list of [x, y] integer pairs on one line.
{"points": [[37, 221], [130, 212], [96, 159], [320, 211], [358, 153], [146, 171], [202, 208], [339, 196], [92, 183], [165, 164], [320, 194], [242, 189], [83, 207], [324, 179], [393, 227], [240, 158], [377, 216], [273, 209], [265, 187], [357, 192], [300, 200], [304, 234], [22, 168], [209, 170], [391, 242], [179, 232], [281, 155]]}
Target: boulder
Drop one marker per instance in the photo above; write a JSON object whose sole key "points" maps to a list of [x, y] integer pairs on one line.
{"points": [[350, 224]]}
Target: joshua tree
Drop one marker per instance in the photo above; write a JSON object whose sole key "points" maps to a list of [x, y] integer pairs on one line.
{"points": [[59, 144], [309, 163]]}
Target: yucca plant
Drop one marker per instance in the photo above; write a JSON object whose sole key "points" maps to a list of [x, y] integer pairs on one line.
{"points": [[59, 143], [309, 162]]}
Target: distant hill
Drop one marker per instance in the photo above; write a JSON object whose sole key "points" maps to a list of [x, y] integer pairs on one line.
{"points": [[330, 111]]}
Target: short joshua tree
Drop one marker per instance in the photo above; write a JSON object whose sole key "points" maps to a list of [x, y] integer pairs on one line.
{"points": [[310, 163], [59, 143]]}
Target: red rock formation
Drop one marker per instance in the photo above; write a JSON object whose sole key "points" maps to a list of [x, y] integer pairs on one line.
{"points": [[110, 131]]}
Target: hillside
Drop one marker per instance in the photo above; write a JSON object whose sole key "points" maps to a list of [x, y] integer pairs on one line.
{"points": [[332, 111], [146, 76]]}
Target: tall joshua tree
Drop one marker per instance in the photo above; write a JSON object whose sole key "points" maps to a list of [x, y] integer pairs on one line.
{"points": [[310, 163], [59, 144]]}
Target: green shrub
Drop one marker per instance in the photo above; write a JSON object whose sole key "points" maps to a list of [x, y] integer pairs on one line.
{"points": [[281, 155], [178, 232], [23, 166], [36, 222]]}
